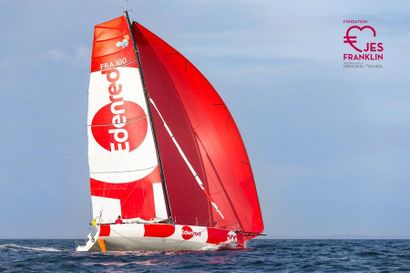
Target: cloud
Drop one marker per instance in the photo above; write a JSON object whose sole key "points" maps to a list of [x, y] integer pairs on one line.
{"points": [[79, 57]]}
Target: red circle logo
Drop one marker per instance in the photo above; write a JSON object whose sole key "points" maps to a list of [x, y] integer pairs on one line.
{"points": [[120, 127], [187, 232]]}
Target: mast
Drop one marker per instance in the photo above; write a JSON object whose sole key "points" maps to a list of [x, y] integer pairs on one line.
{"points": [[164, 186]]}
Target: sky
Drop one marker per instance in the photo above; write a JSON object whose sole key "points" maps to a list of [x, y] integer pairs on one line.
{"points": [[329, 146]]}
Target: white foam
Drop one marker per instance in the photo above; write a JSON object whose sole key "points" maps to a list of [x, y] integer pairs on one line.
{"points": [[22, 247]]}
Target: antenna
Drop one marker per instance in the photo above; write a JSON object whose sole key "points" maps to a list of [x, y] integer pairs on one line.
{"points": [[125, 5]]}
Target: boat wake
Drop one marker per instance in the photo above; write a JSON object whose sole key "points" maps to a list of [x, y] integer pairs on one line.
{"points": [[16, 247]]}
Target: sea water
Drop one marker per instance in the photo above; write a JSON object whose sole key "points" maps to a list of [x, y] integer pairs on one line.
{"points": [[261, 256]]}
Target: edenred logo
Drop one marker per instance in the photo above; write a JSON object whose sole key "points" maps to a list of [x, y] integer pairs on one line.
{"points": [[120, 125], [187, 233], [369, 47]]}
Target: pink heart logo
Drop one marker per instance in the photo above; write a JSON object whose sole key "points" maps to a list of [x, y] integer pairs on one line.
{"points": [[352, 40]]}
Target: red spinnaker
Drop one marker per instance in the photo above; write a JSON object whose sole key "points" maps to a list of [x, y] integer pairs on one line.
{"points": [[206, 132]]}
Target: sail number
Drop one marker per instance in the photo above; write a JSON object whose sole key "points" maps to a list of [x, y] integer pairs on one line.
{"points": [[116, 63]]}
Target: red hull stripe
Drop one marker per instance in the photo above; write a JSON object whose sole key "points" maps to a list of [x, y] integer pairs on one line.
{"points": [[159, 230], [216, 236], [105, 230]]}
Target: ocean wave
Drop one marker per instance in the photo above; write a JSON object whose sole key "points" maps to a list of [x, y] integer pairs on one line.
{"points": [[17, 247], [263, 256]]}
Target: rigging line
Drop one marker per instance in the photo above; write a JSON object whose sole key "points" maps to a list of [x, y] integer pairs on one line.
{"points": [[122, 123], [110, 39], [190, 167], [126, 171]]}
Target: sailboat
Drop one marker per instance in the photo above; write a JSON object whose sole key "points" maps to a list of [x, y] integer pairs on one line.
{"points": [[168, 167]]}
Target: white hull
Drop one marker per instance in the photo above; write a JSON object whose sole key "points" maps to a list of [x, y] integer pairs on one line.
{"points": [[159, 237], [148, 244]]}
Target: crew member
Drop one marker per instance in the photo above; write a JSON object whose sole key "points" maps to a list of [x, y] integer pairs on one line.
{"points": [[119, 220]]}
